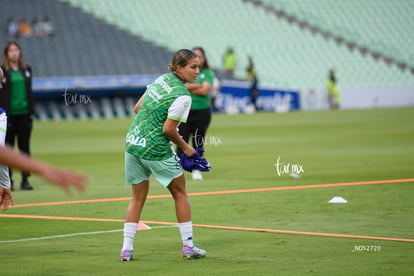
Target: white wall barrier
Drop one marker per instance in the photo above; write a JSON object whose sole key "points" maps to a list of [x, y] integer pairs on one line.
{"points": [[114, 96], [354, 97]]}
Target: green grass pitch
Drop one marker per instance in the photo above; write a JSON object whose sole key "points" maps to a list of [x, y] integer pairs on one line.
{"points": [[331, 147]]}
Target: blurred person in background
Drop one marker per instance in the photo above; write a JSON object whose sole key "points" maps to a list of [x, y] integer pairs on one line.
{"points": [[252, 77], [200, 113], [215, 93], [47, 27], [24, 28], [37, 27], [12, 28], [229, 63], [17, 101], [333, 91]]}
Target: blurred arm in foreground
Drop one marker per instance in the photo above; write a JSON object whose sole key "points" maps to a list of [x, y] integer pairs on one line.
{"points": [[59, 177]]}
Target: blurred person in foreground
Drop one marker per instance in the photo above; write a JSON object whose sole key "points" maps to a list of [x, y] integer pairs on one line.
{"points": [[200, 114], [8, 157], [148, 151], [59, 177], [17, 101], [5, 187]]}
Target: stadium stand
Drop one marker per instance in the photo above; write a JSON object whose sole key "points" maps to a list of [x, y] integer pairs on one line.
{"points": [[286, 54], [383, 27], [82, 45], [294, 43]]}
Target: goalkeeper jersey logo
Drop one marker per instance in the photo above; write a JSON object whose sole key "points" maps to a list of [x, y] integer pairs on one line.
{"points": [[134, 139]]}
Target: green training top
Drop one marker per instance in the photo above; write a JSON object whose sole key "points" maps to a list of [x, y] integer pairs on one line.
{"points": [[230, 61], [203, 102], [334, 90], [165, 98], [19, 104]]}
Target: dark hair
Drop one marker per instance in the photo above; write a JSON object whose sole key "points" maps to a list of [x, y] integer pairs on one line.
{"points": [[250, 66], [181, 57], [5, 60], [205, 65], [332, 75]]}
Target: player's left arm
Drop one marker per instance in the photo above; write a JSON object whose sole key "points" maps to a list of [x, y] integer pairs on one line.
{"points": [[203, 88], [199, 89]]}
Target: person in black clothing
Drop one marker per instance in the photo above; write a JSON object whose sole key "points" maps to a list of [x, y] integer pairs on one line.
{"points": [[16, 99], [200, 114], [252, 77]]}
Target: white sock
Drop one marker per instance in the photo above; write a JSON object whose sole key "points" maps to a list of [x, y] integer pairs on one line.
{"points": [[186, 230], [130, 229]]}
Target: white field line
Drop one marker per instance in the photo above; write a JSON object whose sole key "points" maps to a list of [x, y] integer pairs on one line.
{"points": [[77, 234]]}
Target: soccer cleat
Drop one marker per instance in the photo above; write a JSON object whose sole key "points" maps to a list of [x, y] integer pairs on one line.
{"points": [[196, 175], [193, 252], [127, 255]]}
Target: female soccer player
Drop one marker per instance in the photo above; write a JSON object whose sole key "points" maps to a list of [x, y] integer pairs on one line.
{"points": [[165, 104]]}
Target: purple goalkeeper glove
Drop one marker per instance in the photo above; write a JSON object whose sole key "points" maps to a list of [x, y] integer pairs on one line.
{"points": [[201, 164], [195, 162], [187, 162]]}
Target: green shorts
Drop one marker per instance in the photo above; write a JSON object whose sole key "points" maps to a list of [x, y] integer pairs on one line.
{"points": [[164, 171]]}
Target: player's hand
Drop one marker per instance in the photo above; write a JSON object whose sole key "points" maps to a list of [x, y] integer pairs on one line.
{"points": [[200, 163], [189, 151], [6, 198], [64, 179]]}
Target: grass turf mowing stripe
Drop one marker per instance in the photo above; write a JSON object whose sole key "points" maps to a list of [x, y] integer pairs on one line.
{"points": [[220, 227], [225, 192]]}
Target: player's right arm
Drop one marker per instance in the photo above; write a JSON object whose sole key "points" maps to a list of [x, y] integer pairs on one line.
{"points": [[138, 104], [178, 113], [170, 130]]}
